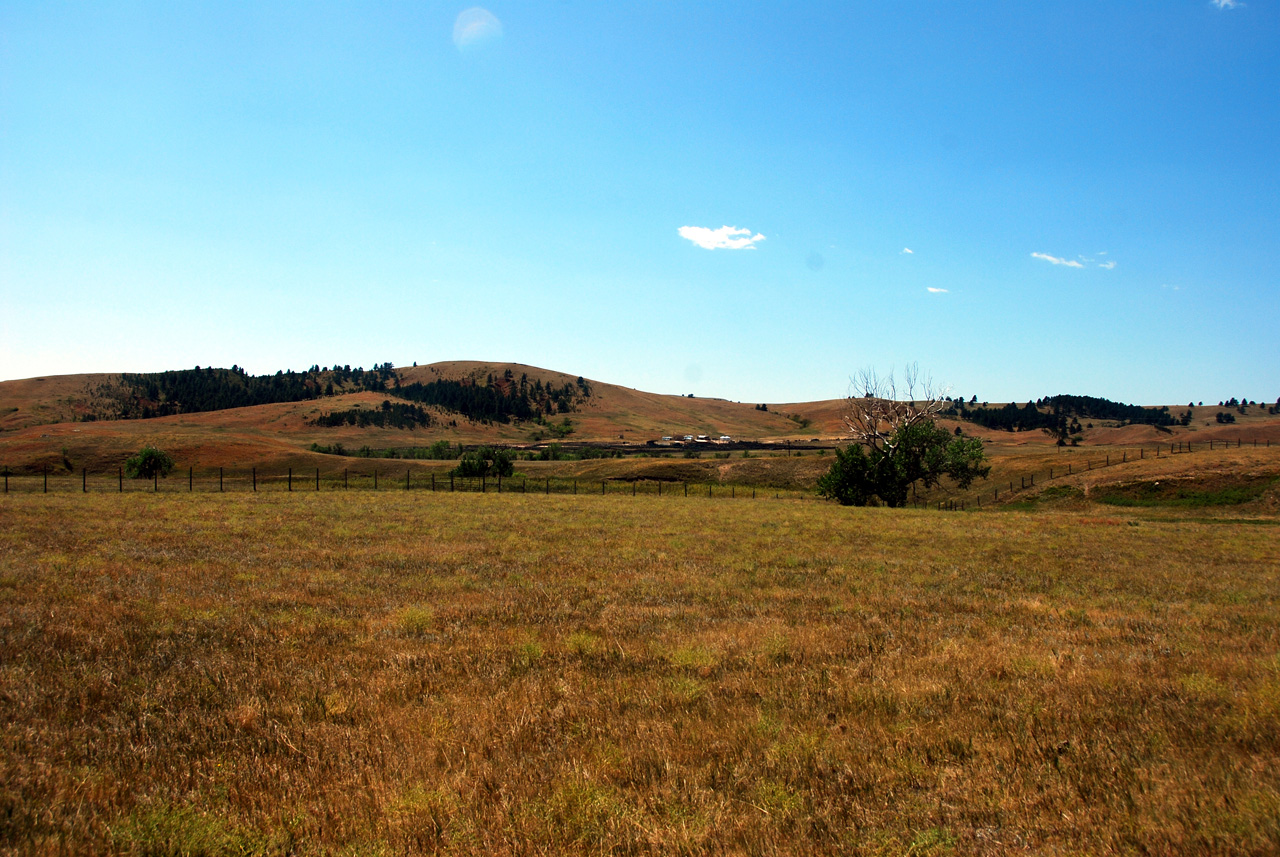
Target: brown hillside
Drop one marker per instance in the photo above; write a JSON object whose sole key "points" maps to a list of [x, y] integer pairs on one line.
{"points": [[36, 427]]}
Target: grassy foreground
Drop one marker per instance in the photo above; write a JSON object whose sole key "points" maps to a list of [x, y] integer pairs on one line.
{"points": [[416, 673]]}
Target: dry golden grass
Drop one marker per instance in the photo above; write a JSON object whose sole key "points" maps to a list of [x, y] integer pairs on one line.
{"points": [[406, 673]]}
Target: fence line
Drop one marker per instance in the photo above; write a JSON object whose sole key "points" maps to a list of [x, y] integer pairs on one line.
{"points": [[313, 480], [1027, 481]]}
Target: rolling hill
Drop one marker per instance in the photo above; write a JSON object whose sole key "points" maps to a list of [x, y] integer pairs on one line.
{"points": [[57, 421]]}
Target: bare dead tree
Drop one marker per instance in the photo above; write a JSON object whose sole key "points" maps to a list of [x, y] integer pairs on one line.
{"points": [[875, 412]]}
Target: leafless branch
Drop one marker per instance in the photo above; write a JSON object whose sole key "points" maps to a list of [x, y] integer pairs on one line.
{"points": [[875, 412]]}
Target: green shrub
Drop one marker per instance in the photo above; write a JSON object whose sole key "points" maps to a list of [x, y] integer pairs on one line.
{"points": [[148, 463]]}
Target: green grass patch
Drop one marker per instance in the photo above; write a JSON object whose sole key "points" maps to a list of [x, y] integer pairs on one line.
{"points": [[1186, 493]]}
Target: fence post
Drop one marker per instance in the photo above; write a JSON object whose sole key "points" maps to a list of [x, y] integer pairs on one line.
{"points": [[344, 479], [499, 483], [548, 486], [1033, 480], [6, 480], [482, 484], [1050, 472], [155, 481], [120, 473], [317, 479], [46, 479], [708, 489], [450, 483], [633, 487], [220, 480], [686, 489], [290, 479], [190, 478], [84, 480], [1024, 481], [575, 487], [602, 487], [255, 480], [433, 483], [375, 479], [406, 479]]}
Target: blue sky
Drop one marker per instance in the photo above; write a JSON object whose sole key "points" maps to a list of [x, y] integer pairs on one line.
{"points": [[1089, 191]]}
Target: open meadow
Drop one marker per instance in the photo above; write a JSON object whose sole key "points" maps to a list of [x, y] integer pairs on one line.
{"points": [[407, 672]]}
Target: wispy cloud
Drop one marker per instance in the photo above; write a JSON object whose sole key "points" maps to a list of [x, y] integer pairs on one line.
{"points": [[1227, 4], [937, 291], [1070, 263], [1107, 265], [724, 238], [907, 251]]}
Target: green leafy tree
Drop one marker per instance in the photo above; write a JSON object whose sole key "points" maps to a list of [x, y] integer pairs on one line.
{"points": [[897, 443], [920, 452], [147, 463]]}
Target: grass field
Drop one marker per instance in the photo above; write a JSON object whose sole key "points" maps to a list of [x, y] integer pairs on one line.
{"points": [[406, 673]]}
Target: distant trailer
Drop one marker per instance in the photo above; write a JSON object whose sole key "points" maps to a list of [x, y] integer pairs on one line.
{"points": [[724, 438]]}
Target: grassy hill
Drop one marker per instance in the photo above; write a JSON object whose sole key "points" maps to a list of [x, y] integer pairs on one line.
{"points": [[43, 425]]}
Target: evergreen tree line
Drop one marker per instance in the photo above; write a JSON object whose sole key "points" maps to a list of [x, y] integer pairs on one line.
{"points": [[390, 415], [499, 402], [1057, 414], [187, 391]]}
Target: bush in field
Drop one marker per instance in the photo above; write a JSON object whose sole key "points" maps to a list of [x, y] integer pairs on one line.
{"points": [[148, 463], [485, 461]]}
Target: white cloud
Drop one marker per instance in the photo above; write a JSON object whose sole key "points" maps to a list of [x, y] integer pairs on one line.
{"points": [[1070, 263], [726, 237], [907, 251], [474, 27], [1227, 4], [936, 291], [1107, 265]]}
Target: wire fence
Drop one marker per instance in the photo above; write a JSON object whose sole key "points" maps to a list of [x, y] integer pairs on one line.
{"points": [[222, 480], [1027, 481]]}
